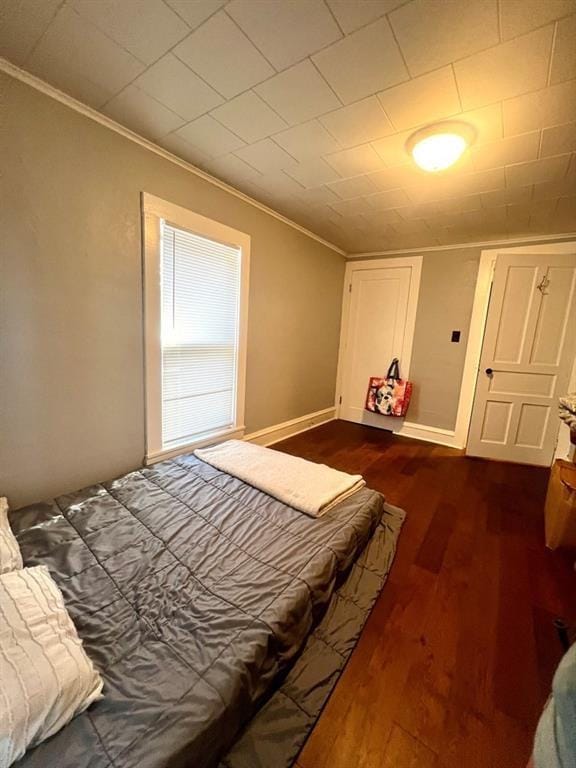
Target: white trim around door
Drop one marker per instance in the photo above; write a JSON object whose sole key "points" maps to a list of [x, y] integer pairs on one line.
{"points": [[415, 264]]}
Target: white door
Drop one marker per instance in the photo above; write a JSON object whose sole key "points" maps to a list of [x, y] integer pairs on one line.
{"points": [[379, 326], [527, 356]]}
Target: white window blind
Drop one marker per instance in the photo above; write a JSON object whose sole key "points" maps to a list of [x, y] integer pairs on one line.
{"points": [[200, 308]]}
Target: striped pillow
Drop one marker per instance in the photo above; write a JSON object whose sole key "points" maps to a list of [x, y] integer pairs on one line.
{"points": [[47, 678], [10, 557]]}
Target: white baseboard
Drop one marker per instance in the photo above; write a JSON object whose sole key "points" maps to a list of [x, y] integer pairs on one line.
{"points": [[429, 434], [277, 432]]}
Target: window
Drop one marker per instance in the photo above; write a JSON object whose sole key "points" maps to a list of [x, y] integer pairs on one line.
{"points": [[196, 288]]}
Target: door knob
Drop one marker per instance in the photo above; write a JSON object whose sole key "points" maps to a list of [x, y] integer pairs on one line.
{"points": [[489, 371]]}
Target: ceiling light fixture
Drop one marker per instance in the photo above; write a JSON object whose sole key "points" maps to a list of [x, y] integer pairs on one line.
{"points": [[439, 146]]}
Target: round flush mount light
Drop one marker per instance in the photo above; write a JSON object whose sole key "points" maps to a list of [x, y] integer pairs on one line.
{"points": [[439, 146]]}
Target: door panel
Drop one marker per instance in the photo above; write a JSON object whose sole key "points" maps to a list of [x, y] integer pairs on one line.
{"points": [[532, 425], [510, 383], [496, 422], [516, 308], [376, 333], [527, 356], [553, 316]]}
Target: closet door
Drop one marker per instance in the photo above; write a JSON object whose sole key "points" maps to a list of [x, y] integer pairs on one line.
{"points": [[379, 327], [527, 357]]}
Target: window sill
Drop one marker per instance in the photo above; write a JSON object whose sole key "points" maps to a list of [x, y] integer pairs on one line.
{"points": [[236, 433]]}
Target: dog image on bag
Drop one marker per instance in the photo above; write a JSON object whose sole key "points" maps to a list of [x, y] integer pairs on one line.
{"points": [[384, 399]]}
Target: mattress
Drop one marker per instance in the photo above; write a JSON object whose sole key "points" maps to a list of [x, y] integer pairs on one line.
{"points": [[204, 603]]}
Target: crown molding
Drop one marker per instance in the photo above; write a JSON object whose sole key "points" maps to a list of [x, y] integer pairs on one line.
{"points": [[49, 90], [533, 239]]}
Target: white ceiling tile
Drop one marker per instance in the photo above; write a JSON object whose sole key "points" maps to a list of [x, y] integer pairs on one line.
{"points": [[242, 65], [543, 109], [565, 214], [146, 29], [380, 218], [487, 122], [392, 149], [285, 32], [363, 63], [432, 34], [80, 59], [307, 140], [175, 85], [353, 14], [515, 149], [318, 196], [482, 181], [537, 171], [358, 123], [194, 12], [231, 169], [354, 187], [440, 187], [541, 216], [273, 200], [313, 172], [22, 25], [520, 16], [298, 94], [422, 100], [402, 175], [266, 156], [353, 162], [142, 113], [494, 217], [564, 58], [249, 117], [415, 229], [454, 205], [183, 149], [505, 71], [210, 137], [418, 211], [558, 140], [277, 182], [509, 195], [392, 198], [351, 207], [467, 219]]}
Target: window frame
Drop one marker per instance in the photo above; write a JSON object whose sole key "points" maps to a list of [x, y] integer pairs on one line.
{"points": [[154, 210]]}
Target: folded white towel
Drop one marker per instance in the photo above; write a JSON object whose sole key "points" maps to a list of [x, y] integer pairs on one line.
{"points": [[306, 486]]}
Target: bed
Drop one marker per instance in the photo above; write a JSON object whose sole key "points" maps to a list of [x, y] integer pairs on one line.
{"points": [[219, 618]]}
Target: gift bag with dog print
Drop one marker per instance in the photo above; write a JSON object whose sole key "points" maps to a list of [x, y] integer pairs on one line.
{"points": [[389, 396]]}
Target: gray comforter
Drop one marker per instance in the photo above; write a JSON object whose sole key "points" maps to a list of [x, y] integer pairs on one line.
{"points": [[194, 593]]}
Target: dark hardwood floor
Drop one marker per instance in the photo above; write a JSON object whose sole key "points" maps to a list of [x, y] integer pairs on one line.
{"points": [[455, 662]]}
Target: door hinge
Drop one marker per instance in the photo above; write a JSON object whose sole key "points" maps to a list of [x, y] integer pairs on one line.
{"points": [[350, 288], [340, 400]]}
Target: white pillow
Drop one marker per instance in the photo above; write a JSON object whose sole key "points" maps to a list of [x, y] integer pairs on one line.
{"points": [[10, 557], [46, 676]]}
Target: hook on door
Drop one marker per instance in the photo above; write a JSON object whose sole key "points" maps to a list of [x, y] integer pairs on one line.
{"points": [[543, 284]]}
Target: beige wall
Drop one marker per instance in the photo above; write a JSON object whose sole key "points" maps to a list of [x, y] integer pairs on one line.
{"points": [[71, 381], [444, 305]]}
